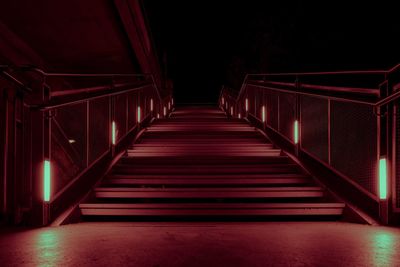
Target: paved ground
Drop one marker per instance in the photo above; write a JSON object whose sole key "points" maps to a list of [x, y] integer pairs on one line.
{"points": [[202, 244]]}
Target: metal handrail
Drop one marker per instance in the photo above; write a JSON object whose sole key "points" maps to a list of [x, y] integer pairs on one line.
{"points": [[331, 89], [11, 78], [96, 92], [387, 99], [61, 74], [100, 75], [338, 89], [377, 72], [50, 106]]}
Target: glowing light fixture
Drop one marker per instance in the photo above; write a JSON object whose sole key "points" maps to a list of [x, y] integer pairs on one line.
{"points": [[239, 115], [138, 114], [296, 132], [71, 141], [158, 115], [247, 104], [231, 111], [113, 132], [382, 179], [169, 105], [263, 113], [46, 180], [151, 104], [165, 111]]}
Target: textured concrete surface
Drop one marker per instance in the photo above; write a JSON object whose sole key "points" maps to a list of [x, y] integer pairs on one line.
{"points": [[202, 244]]}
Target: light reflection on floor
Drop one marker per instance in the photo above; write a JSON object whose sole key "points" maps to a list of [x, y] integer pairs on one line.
{"points": [[383, 248], [48, 247], [203, 244]]}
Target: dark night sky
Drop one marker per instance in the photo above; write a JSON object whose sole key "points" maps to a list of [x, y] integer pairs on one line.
{"points": [[210, 43]]}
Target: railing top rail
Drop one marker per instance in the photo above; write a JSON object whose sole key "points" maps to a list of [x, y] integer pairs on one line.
{"points": [[388, 99], [356, 72], [298, 74], [99, 75], [3, 69], [66, 102], [8, 76]]}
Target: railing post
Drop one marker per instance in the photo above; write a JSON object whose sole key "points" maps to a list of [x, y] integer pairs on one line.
{"points": [[47, 157], [384, 157], [113, 131], [41, 152], [297, 123]]}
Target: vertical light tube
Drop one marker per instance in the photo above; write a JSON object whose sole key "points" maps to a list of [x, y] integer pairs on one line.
{"points": [[138, 114], [113, 133], [165, 111], [151, 105], [158, 115], [232, 111], [46, 180], [263, 114], [247, 104], [382, 179], [239, 115], [296, 132], [169, 105]]}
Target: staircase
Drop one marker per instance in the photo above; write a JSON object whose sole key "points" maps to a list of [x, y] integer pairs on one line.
{"points": [[201, 164]]}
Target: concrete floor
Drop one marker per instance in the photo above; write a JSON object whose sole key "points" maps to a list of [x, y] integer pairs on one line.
{"points": [[202, 244]]}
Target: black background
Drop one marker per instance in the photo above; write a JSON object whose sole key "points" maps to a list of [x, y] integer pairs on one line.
{"points": [[209, 43]]}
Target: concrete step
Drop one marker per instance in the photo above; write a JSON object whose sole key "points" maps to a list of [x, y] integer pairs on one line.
{"points": [[212, 209], [209, 193]]}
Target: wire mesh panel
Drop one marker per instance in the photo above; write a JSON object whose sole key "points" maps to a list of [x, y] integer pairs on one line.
{"points": [[132, 109], [250, 99], [287, 114], [99, 127], [272, 109], [120, 115], [354, 142], [68, 143], [314, 126]]}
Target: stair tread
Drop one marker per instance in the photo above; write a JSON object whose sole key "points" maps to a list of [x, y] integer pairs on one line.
{"points": [[207, 176], [212, 189], [198, 162], [211, 205]]}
